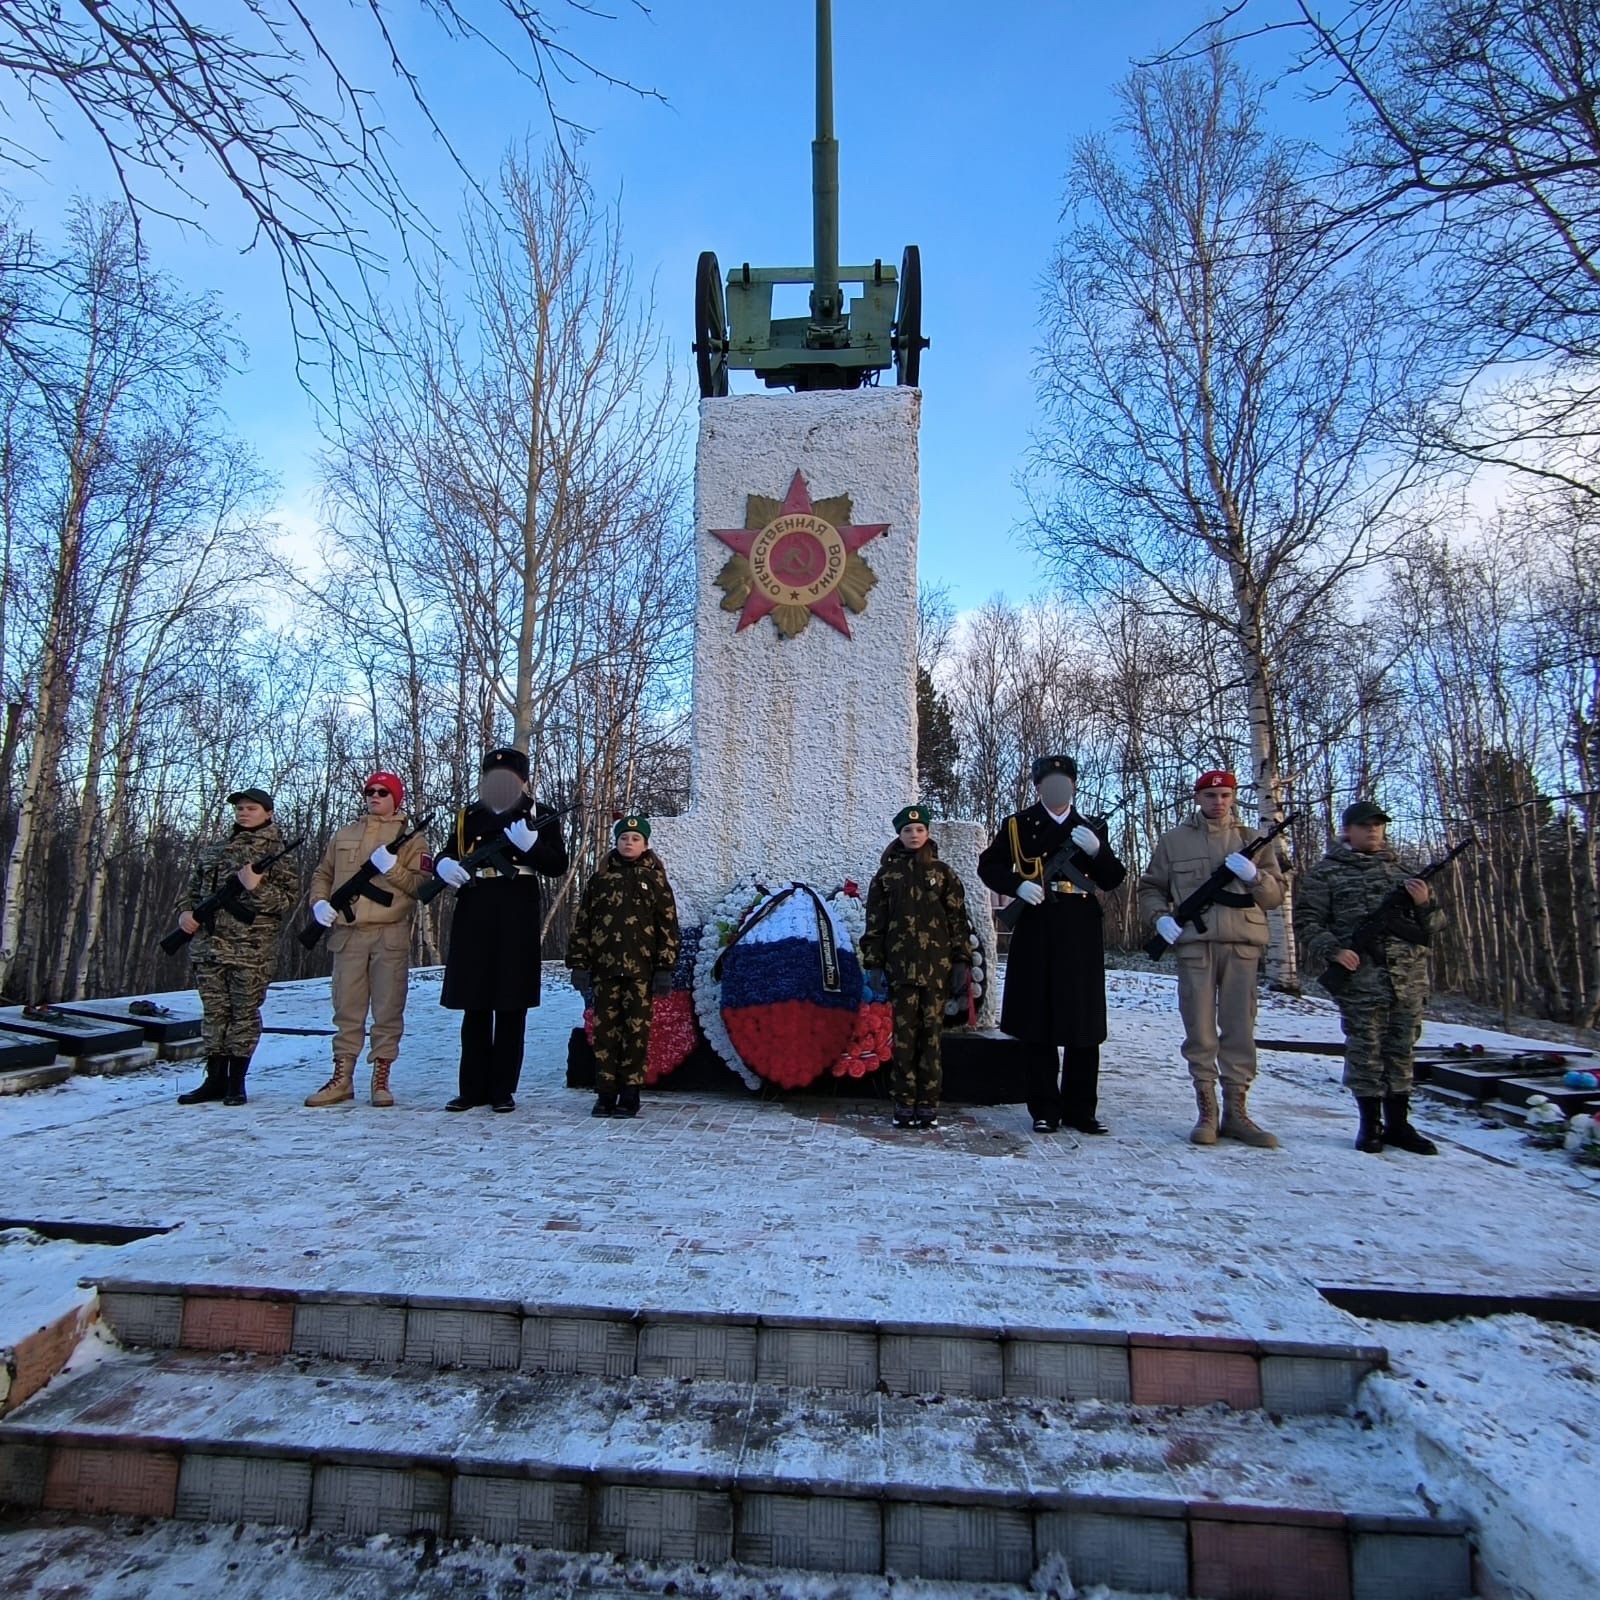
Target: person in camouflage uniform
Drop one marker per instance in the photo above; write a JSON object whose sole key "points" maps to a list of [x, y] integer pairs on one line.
{"points": [[916, 945], [623, 948], [1381, 1007], [233, 961]]}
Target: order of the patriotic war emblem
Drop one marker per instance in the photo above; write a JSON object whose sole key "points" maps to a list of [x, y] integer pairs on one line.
{"points": [[796, 559]]}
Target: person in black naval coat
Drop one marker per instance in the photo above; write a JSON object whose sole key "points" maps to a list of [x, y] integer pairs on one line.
{"points": [[1055, 989], [491, 970]]}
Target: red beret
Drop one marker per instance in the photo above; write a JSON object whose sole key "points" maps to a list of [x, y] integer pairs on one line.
{"points": [[387, 780], [1215, 780]]}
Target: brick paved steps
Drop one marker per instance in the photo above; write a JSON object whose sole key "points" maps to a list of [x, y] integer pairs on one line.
{"points": [[1285, 1377], [1201, 1501]]}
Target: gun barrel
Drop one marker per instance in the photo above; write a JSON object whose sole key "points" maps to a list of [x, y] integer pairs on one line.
{"points": [[825, 299]]}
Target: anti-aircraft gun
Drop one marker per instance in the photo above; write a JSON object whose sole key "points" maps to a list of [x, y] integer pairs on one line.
{"points": [[843, 343]]}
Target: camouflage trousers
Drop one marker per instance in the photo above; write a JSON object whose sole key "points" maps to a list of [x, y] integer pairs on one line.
{"points": [[231, 996], [1379, 1033], [916, 1072], [621, 1032]]}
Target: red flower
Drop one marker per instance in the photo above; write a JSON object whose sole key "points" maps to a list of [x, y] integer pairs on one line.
{"points": [[852, 888]]}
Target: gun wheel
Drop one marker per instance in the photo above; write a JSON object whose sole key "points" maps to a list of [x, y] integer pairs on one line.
{"points": [[710, 327], [908, 341]]}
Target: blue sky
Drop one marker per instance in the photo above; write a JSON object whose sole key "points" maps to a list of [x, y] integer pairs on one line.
{"points": [[955, 122]]}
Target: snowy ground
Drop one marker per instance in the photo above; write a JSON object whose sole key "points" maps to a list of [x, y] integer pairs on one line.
{"points": [[816, 1206]]}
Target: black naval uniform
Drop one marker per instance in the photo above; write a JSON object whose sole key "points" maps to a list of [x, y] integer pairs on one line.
{"points": [[491, 971], [1055, 989]]}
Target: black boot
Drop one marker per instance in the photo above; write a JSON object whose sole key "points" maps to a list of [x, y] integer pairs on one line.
{"points": [[1397, 1129], [628, 1101], [1369, 1137], [237, 1067], [605, 1105], [213, 1087]]}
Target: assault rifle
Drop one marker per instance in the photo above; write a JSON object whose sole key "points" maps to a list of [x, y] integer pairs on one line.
{"points": [[493, 852], [1394, 918], [1069, 855], [1191, 911], [229, 898], [360, 886]]}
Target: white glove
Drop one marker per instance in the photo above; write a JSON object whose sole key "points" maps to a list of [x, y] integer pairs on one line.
{"points": [[324, 913], [1242, 867], [452, 872], [383, 858], [1086, 839], [1032, 892], [520, 834], [1169, 928]]}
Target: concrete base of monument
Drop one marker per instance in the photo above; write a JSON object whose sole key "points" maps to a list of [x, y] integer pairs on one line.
{"points": [[980, 1069]]}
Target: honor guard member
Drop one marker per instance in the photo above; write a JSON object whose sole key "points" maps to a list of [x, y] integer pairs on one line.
{"points": [[623, 948], [1381, 1009], [372, 955], [234, 960], [1217, 967], [915, 945], [1056, 861], [491, 972]]}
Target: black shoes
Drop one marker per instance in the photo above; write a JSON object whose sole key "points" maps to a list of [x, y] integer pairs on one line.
{"points": [[213, 1087], [628, 1102], [904, 1116], [927, 1116], [503, 1106], [1044, 1125], [1369, 1136], [460, 1103], [1088, 1125], [605, 1105], [1398, 1134], [237, 1067]]}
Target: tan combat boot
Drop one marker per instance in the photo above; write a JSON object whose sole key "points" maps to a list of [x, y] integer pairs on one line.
{"points": [[1205, 1130], [341, 1086], [1236, 1123], [380, 1082]]}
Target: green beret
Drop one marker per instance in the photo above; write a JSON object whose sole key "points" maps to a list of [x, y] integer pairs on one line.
{"points": [[631, 824], [912, 814]]}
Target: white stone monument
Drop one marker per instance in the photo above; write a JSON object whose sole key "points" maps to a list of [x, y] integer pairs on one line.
{"points": [[804, 745]]}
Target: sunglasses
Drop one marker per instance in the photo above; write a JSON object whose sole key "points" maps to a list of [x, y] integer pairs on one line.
{"points": [[369, 793]]}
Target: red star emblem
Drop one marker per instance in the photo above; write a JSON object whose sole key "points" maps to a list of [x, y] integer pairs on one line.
{"points": [[801, 561]]}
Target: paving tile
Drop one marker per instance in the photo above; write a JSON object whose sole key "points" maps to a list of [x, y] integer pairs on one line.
{"points": [[1295, 1385], [820, 1358], [1066, 1371], [244, 1489], [651, 1524], [23, 1466], [1144, 1553], [725, 1352], [461, 1338], [350, 1332], [602, 1346], [154, 1321], [1258, 1561], [1164, 1376], [1399, 1566], [360, 1501], [815, 1532], [940, 1364], [235, 1323], [973, 1544], [520, 1511], [111, 1481]]}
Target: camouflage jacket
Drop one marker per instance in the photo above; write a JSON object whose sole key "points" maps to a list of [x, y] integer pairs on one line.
{"points": [[916, 917], [627, 922], [234, 941], [1336, 896]]}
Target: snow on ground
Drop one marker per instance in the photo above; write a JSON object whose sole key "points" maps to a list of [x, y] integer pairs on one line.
{"points": [[815, 1206], [117, 1560]]}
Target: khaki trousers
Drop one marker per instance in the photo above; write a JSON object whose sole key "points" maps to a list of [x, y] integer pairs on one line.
{"points": [[1217, 1001], [371, 967]]}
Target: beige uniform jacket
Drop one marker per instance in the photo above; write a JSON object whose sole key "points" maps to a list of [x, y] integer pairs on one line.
{"points": [[347, 852], [1186, 856]]}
